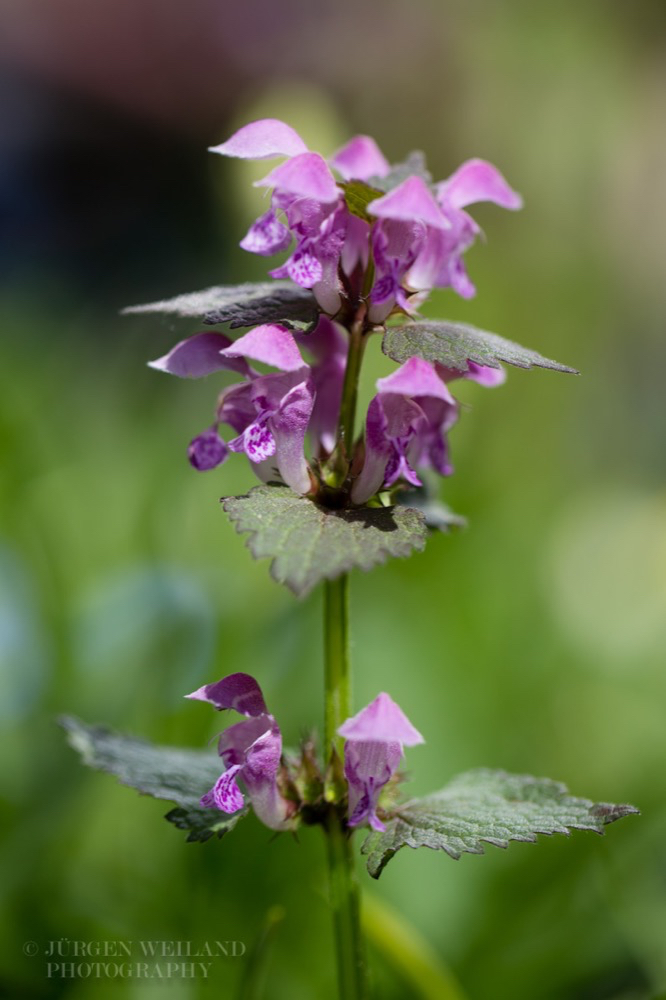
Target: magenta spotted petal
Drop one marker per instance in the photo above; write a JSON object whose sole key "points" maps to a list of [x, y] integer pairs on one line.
{"points": [[270, 415], [304, 268], [266, 236], [225, 793]]}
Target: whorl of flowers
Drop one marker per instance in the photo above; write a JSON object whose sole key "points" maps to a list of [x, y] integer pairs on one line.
{"points": [[370, 241]]}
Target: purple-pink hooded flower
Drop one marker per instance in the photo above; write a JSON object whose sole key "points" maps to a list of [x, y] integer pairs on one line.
{"points": [[250, 752], [373, 751], [405, 428], [269, 413], [416, 242]]}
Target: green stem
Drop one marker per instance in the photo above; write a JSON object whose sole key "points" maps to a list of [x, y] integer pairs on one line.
{"points": [[344, 888], [344, 892], [337, 681], [357, 341]]}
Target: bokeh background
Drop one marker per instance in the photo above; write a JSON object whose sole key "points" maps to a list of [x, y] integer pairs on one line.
{"points": [[533, 641]]}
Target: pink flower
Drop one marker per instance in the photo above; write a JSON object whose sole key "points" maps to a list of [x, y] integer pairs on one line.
{"points": [[373, 751], [250, 751]]}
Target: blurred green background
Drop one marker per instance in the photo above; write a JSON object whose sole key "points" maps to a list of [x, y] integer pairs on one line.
{"points": [[533, 641]]}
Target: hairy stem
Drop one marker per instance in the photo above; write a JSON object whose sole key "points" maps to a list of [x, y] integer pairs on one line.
{"points": [[344, 889], [337, 680], [357, 341], [344, 893]]}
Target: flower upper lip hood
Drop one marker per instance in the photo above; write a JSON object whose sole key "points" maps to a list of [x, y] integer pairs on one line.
{"points": [[262, 140]]}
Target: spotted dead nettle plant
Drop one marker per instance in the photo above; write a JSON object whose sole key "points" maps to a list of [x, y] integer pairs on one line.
{"points": [[365, 243]]}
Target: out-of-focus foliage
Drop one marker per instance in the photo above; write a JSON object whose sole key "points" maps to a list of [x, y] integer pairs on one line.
{"points": [[532, 641]]}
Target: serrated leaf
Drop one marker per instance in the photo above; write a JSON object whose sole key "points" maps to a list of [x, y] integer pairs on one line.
{"points": [[179, 775], [308, 543], [484, 806], [249, 304], [412, 166], [454, 344], [358, 196]]}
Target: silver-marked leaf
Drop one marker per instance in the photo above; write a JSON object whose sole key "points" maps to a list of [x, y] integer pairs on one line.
{"points": [[182, 776], [454, 344], [491, 807], [308, 543], [412, 166], [249, 304]]}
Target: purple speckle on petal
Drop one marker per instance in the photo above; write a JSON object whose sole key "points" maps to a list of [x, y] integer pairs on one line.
{"points": [[225, 792], [304, 269], [266, 236], [259, 442]]}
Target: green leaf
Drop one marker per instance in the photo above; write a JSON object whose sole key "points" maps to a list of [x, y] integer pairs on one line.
{"points": [[487, 806], [309, 543], [454, 344], [181, 776], [241, 305], [358, 196], [202, 824]]}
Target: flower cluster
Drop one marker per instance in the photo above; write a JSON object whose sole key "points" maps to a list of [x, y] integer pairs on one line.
{"points": [[369, 240], [251, 752], [414, 233]]}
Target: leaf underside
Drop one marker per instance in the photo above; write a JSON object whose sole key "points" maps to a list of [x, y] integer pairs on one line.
{"points": [[454, 344], [485, 806], [308, 543], [179, 775], [249, 304]]}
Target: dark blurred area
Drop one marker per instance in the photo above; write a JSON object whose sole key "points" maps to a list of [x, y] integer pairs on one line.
{"points": [[533, 641]]}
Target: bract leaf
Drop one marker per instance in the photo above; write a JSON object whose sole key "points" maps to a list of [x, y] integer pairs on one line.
{"points": [[454, 344], [249, 304], [309, 543], [358, 196], [490, 807], [179, 775], [412, 166]]}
